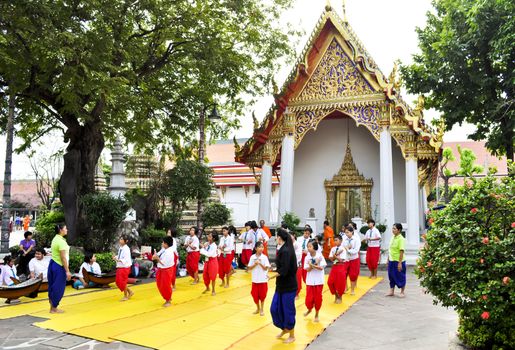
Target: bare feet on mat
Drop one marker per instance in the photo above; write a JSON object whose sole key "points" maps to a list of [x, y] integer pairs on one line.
{"points": [[307, 312], [167, 304], [280, 335], [352, 293], [338, 301], [289, 340], [316, 320], [124, 299], [226, 286], [255, 312], [56, 311], [205, 291], [222, 285], [130, 294], [261, 313], [213, 294]]}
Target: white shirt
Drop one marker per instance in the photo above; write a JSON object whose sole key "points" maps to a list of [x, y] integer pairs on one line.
{"points": [[298, 252], [233, 236], [373, 233], [226, 244], [167, 258], [7, 273], [193, 240], [315, 277], [174, 247], [124, 255], [261, 235], [339, 252], [210, 252], [353, 244], [39, 267], [91, 268], [258, 274], [303, 242], [248, 239]]}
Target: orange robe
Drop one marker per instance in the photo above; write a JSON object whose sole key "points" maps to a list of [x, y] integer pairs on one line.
{"points": [[265, 244], [328, 241]]}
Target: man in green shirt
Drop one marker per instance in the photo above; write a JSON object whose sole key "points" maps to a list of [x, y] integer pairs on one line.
{"points": [[397, 261]]}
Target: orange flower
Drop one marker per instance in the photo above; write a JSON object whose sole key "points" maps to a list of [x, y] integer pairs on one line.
{"points": [[473, 210], [453, 260], [485, 315], [429, 264], [482, 261], [431, 221], [485, 240], [505, 280], [484, 297], [513, 225]]}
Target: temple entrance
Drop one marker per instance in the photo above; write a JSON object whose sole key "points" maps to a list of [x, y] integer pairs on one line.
{"points": [[348, 194]]}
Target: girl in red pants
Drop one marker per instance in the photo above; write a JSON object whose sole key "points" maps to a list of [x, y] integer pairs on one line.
{"points": [[338, 275], [314, 264], [165, 269], [259, 266], [210, 251]]}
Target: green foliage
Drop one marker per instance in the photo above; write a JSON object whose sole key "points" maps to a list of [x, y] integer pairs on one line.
{"points": [[467, 67], [45, 227], [469, 261], [103, 214], [152, 237], [76, 260], [216, 214], [381, 228], [106, 262], [291, 221], [188, 180]]}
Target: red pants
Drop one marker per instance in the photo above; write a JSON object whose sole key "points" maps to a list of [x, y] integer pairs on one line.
{"points": [[210, 270], [337, 279], [245, 256], [192, 260], [314, 297], [224, 265], [174, 267], [299, 280], [164, 282], [122, 274], [259, 291], [352, 269], [373, 257], [304, 272]]}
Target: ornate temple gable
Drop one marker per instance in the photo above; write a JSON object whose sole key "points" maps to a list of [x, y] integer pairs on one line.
{"points": [[348, 175], [335, 76]]}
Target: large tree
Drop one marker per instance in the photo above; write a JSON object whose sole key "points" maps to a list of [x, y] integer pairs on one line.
{"points": [[142, 69], [467, 68]]}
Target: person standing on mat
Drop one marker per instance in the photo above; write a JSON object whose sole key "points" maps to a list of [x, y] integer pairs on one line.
{"points": [[165, 259], [352, 244], [337, 277], [123, 268], [248, 238], [58, 269], [226, 247], [283, 303], [210, 251], [192, 245], [314, 265], [172, 232], [259, 266], [373, 240]]}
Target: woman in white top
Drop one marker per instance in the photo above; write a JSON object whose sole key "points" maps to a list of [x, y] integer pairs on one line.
{"points": [[259, 266], [225, 247], [91, 266], [210, 251], [165, 259], [314, 264], [123, 268]]}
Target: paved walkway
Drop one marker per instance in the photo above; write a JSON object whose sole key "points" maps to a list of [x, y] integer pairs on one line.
{"points": [[379, 322]]}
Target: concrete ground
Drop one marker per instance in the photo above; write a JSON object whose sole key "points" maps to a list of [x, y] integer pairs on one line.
{"points": [[386, 323]]}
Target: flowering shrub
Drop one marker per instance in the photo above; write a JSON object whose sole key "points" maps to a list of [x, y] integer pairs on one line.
{"points": [[469, 261]]}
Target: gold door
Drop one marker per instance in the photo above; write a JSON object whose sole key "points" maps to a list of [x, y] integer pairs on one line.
{"points": [[348, 205]]}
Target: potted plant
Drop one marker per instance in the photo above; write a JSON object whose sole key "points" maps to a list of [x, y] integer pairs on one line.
{"points": [[364, 246]]}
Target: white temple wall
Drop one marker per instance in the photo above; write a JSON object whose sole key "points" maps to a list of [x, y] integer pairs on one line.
{"points": [[320, 156]]}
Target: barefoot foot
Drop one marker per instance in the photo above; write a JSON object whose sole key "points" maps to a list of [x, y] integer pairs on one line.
{"points": [[289, 340]]}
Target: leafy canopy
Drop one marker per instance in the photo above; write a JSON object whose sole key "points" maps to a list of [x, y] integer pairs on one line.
{"points": [[467, 68], [142, 69]]}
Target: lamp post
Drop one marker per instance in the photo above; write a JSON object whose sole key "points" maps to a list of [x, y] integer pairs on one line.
{"points": [[214, 116]]}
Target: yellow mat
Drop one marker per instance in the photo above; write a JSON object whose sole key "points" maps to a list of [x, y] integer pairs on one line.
{"points": [[194, 320]]}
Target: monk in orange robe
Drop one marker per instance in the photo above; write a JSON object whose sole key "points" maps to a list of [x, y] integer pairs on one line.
{"points": [[328, 239], [268, 233]]}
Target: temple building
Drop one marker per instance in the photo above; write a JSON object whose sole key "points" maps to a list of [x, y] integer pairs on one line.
{"points": [[343, 142]]}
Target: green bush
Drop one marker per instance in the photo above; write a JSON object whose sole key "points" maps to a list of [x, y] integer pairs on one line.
{"points": [[469, 261], [152, 237], [106, 262], [291, 221], [45, 227], [103, 214], [76, 260], [216, 214]]}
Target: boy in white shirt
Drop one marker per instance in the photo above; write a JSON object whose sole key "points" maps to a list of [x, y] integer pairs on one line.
{"points": [[302, 241], [337, 277], [373, 239], [123, 268], [249, 240], [165, 259], [259, 266], [352, 244], [314, 265]]}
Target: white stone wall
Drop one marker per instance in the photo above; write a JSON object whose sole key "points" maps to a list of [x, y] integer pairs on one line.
{"points": [[320, 156]]}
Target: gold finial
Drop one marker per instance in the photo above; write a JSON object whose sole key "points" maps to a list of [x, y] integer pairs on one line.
{"points": [[328, 6], [237, 147], [420, 105], [344, 11], [393, 79], [254, 119]]}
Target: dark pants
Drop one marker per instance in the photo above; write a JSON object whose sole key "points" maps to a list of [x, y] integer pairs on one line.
{"points": [[283, 310], [56, 283], [23, 264], [397, 278]]}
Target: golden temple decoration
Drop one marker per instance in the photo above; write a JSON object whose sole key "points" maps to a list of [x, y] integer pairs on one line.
{"points": [[237, 146], [289, 123], [268, 154], [328, 6], [255, 121], [348, 177], [410, 147], [335, 76], [344, 11]]}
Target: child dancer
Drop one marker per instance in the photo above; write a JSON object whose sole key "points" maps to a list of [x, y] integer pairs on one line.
{"points": [[232, 233], [373, 239], [226, 247], [123, 268], [314, 264], [337, 276], [192, 246], [303, 243], [210, 251], [351, 245], [165, 269], [248, 238], [259, 266]]}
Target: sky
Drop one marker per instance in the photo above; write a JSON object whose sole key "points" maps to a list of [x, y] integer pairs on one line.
{"points": [[385, 27]]}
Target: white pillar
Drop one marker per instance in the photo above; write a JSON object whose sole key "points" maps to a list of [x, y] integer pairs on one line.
{"points": [[386, 199], [423, 208], [265, 192], [412, 210], [286, 186]]}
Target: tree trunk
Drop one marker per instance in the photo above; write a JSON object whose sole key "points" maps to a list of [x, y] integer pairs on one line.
{"points": [[78, 177], [6, 201]]}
